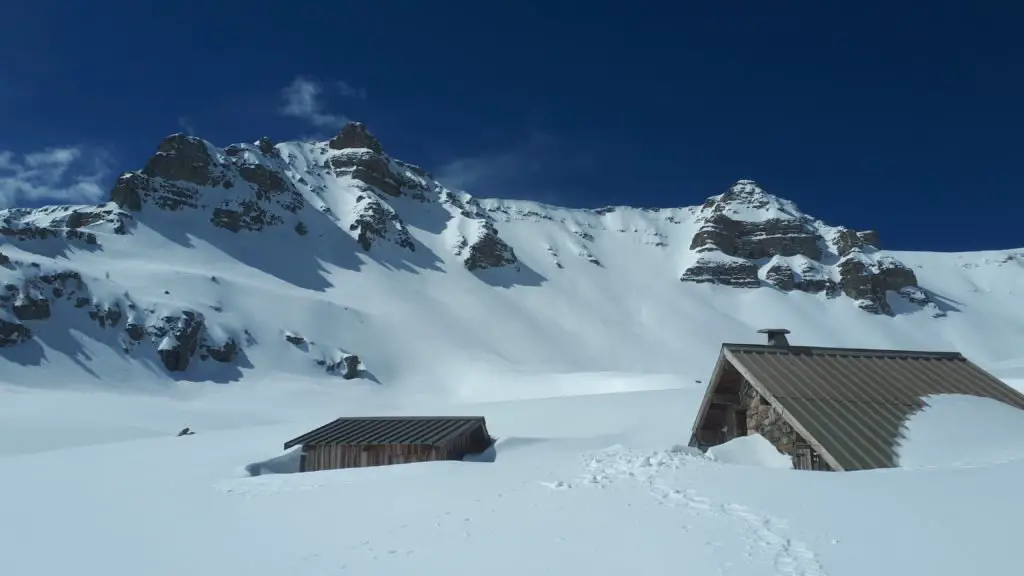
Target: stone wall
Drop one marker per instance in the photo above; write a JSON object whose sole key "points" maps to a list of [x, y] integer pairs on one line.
{"points": [[764, 419]]}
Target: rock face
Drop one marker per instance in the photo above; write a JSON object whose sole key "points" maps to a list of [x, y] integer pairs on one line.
{"points": [[748, 238], [242, 187], [347, 366], [869, 281], [487, 250], [13, 333], [746, 222], [725, 271], [43, 294], [355, 135], [184, 158], [375, 222], [179, 339]]}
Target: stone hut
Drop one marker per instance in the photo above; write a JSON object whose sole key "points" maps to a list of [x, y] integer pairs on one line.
{"points": [[831, 408]]}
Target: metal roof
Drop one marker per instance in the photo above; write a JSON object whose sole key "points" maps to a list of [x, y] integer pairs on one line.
{"points": [[367, 430], [851, 405]]}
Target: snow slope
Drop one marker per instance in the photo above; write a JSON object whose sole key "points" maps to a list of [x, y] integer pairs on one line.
{"points": [[573, 335], [578, 485]]}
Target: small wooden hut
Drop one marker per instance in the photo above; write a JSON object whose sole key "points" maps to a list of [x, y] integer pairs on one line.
{"points": [[380, 441]]}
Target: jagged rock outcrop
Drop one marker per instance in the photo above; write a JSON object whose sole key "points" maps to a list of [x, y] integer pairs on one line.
{"points": [[39, 295], [781, 275], [367, 167], [869, 237], [347, 366], [374, 221], [179, 339], [61, 222], [224, 352], [487, 249], [265, 146], [726, 272], [746, 234], [184, 158], [355, 135], [868, 281], [252, 193], [13, 333], [777, 231]]}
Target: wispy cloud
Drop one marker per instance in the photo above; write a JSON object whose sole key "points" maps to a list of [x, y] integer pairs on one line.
{"points": [[67, 175], [304, 99], [187, 125], [349, 91], [530, 169]]}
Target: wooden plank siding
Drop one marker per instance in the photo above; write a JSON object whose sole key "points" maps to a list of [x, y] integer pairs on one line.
{"points": [[333, 456]]}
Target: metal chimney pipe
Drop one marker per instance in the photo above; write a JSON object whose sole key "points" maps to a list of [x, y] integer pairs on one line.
{"points": [[776, 336]]}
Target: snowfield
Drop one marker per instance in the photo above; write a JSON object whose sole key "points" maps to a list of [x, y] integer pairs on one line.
{"points": [[595, 484], [589, 361]]}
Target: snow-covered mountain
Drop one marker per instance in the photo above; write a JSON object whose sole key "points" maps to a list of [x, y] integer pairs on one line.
{"points": [[254, 292], [296, 259]]}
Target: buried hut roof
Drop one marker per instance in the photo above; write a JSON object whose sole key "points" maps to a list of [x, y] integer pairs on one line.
{"points": [[424, 430], [850, 405]]}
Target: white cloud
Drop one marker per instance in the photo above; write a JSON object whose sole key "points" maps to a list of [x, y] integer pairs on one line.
{"points": [[303, 99], [186, 124], [347, 90], [66, 175], [524, 171]]}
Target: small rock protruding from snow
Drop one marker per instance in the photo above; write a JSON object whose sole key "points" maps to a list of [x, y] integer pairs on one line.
{"points": [[265, 145], [179, 339], [13, 332], [488, 250], [341, 363]]}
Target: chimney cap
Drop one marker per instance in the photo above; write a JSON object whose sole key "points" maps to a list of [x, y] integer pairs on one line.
{"points": [[773, 331]]}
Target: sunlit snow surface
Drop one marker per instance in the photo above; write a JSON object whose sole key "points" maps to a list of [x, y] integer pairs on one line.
{"points": [[589, 363]]}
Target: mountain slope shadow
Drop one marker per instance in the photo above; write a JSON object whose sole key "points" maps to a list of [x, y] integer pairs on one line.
{"points": [[279, 251], [52, 247], [403, 259], [511, 276], [945, 304], [426, 215]]}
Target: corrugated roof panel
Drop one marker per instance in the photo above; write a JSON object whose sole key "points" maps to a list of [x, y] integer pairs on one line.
{"points": [[428, 430], [854, 403]]}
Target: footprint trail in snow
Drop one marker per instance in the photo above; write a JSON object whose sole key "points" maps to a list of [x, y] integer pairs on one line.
{"points": [[765, 535]]}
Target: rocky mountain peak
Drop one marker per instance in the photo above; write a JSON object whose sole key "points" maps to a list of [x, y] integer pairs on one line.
{"points": [[748, 238], [745, 189], [182, 157], [355, 135], [747, 200]]}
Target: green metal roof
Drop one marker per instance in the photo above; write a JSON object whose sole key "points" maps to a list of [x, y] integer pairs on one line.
{"points": [[852, 404], [370, 430]]}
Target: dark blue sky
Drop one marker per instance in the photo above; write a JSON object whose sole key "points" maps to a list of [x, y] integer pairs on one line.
{"points": [[901, 116]]}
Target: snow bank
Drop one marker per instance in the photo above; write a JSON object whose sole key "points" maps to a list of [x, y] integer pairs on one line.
{"points": [[957, 431], [287, 463], [753, 450]]}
